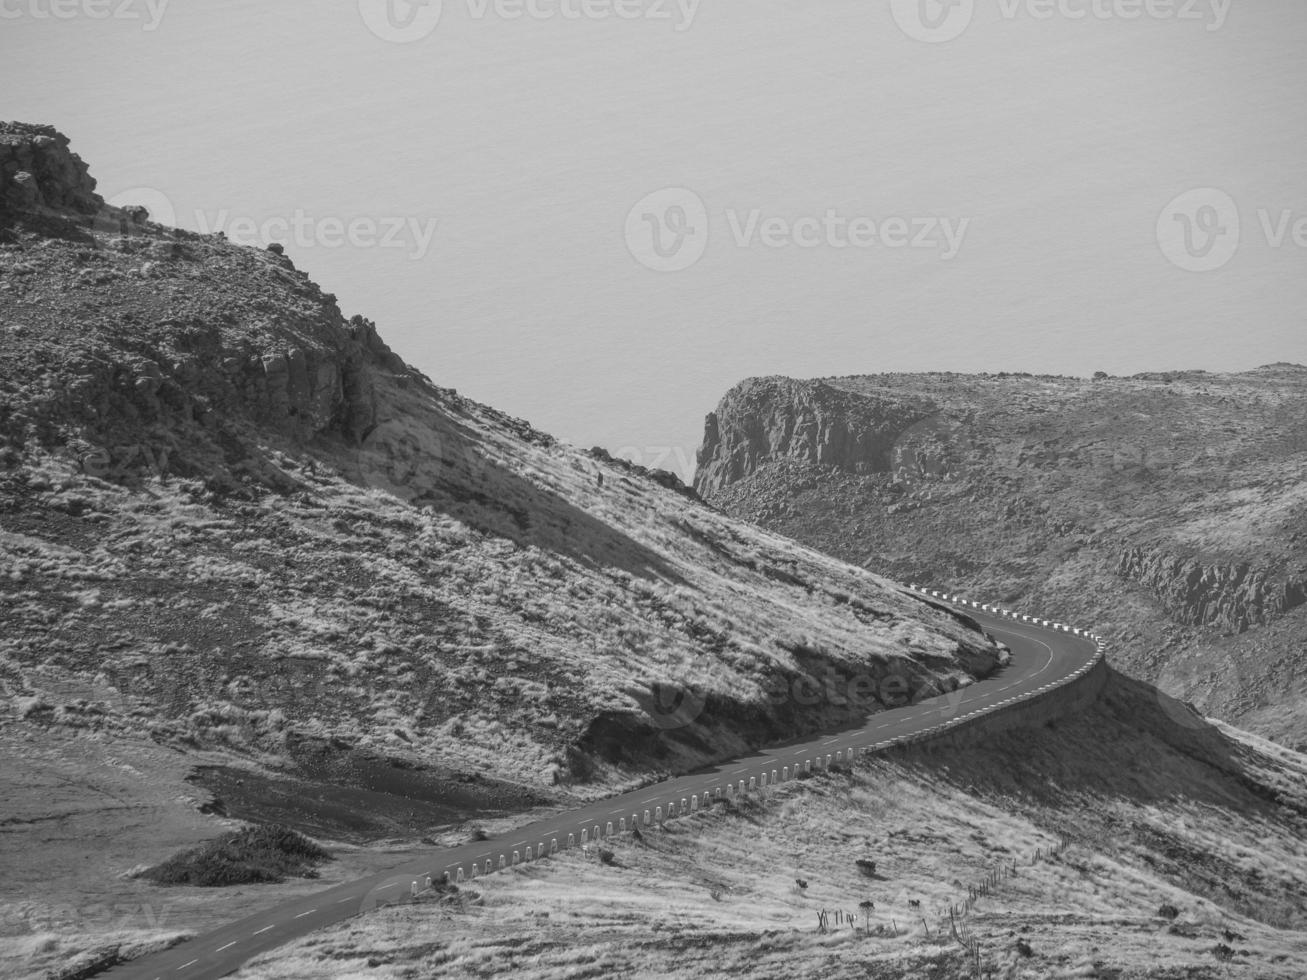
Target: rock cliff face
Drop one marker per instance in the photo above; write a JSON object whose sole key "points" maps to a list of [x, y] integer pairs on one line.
{"points": [[766, 419], [1232, 597], [1169, 507], [38, 170], [133, 344]]}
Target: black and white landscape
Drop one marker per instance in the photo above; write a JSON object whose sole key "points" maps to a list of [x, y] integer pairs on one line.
{"points": [[634, 488]]}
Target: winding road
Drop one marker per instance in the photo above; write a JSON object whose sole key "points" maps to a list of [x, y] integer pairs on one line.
{"points": [[1044, 656]]}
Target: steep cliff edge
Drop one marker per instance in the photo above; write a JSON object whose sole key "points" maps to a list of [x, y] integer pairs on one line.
{"points": [[1169, 508], [776, 418]]}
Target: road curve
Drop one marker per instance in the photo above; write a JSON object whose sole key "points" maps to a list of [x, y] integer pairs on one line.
{"points": [[1045, 655]]}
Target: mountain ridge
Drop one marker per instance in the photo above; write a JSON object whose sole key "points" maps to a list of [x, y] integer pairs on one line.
{"points": [[1168, 506]]}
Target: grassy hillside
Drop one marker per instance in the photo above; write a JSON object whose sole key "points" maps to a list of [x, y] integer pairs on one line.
{"points": [[1170, 509]]}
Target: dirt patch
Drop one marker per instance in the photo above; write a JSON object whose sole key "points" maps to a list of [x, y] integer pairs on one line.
{"points": [[359, 797]]}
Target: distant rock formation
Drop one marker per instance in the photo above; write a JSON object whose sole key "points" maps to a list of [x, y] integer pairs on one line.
{"points": [[765, 419], [1169, 507], [1233, 596]]}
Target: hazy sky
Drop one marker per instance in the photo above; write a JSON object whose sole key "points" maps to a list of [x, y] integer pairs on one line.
{"points": [[602, 223]]}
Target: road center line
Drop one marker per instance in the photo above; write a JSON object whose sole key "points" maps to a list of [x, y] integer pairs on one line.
{"points": [[228, 946], [302, 914], [264, 929], [185, 965]]}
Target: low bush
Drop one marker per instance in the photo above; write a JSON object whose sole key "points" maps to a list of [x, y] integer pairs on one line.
{"points": [[253, 855]]}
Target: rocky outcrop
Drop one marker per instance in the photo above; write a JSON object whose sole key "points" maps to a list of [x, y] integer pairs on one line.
{"points": [[1169, 508], [1232, 596], [38, 170], [769, 419]]}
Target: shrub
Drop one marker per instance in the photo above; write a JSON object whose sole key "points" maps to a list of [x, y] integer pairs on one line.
{"points": [[866, 866], [1168, 912], [605, 856], [253, 855]]}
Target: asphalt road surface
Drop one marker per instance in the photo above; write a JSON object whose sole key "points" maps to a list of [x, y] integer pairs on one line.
{"points": [[1044, 656]]}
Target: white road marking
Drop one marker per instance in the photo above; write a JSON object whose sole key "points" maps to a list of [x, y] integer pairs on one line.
{"points": [[302, 914], [264, 929], [228, 946], [185, 965], [344, 900]]}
